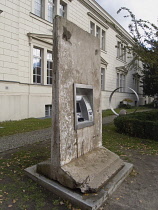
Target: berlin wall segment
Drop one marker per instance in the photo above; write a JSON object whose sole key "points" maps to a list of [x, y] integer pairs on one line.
{"points": [[78, 159]]}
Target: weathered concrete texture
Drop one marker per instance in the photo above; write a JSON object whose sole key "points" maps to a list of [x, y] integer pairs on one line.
{"points": [[88, 172], [76, 60], [91, 201]]}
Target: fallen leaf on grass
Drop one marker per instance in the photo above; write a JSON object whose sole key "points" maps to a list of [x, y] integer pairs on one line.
{"points": [[9, 206]]}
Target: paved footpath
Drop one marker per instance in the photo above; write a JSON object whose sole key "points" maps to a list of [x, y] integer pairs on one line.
{"points": [[21, 139]]}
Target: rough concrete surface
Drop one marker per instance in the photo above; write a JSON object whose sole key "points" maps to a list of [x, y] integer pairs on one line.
{"points": [[88, 172], [76, 61]]}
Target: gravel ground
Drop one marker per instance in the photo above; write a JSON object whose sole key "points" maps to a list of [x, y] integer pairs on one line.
{"points": [[140, 190], [21, 139]]}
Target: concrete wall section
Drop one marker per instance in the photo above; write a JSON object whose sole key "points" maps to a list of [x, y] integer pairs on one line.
{"points": [[77, 60]]}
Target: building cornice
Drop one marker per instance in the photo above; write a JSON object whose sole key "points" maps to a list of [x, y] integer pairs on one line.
{"points": [[103, 15], [41, 37], [103, 62], [122, 39], [122, 69], [97, 19]]}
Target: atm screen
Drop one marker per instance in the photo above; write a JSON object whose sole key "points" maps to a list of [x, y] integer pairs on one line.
{"points": [[78, 107]]}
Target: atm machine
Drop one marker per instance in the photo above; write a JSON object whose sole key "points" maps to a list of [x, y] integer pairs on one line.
{"points": [[83, 106]]}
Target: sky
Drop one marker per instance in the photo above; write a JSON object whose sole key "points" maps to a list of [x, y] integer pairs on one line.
{"points": [[142, 9]]}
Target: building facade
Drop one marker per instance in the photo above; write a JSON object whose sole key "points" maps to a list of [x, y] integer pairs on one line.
{"points": [[26, 54]]}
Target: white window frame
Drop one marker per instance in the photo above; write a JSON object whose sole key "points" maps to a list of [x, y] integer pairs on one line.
{"points": [[102, 78], [48, 109], [121, 51], [136, 83], [44, 47], [45, 14], [100, 32], [49, 69], [63, 9], [51, 10], [121, 81], [92, 28], [36, 74], [103, 35], [40, 11]]}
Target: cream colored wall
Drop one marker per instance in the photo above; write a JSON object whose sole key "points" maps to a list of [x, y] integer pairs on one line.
{"points": [[19, 97]]}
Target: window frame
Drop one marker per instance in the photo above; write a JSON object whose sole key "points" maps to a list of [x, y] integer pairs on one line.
{"points": [[103, 40], [45, 12], [64, 10], [49, 77], [49, 106], [136, 83], [102, 78], [121, 51], [36, 75], [121, 81], [92, 28], [51, 15], [101, 35], [41, 8]]}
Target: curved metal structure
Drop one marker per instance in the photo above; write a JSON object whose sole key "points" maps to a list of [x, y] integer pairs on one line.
{"points": [[110, 99]]}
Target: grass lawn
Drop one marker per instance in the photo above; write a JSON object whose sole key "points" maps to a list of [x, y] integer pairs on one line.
{"points": [[21, 126], [20, 192]]}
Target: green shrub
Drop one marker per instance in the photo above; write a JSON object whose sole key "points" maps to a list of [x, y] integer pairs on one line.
{"points": [[124, 106], [142, 124]]}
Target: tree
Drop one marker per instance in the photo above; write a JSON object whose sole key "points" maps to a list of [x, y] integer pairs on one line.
{"points": [[145, 48], [150, 80]]}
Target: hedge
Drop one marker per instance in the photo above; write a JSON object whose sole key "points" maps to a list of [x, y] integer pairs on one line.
{"points": [[141, 124]]}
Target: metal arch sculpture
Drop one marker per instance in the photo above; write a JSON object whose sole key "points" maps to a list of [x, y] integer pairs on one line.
{"points": [[110, 99]]}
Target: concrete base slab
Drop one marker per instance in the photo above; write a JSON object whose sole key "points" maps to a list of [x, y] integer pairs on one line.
{"points": [[85, 201], [88, 172]]}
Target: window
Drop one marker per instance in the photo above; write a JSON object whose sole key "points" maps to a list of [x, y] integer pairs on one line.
{"points": [[103, 40], [124, 54], [62, 9], [136, 83], [49, 67], [48, 110], [102, 78], [37, 65], [51, 10], [38, 8], [92, 28], [99, 33], [47, 9], [121, 51], [118, 49], [121, 82]]}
